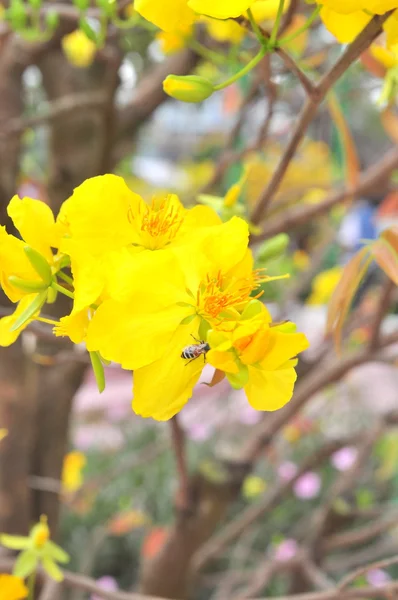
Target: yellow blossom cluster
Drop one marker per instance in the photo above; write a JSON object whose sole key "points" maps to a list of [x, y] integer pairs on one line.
{"points": [[157, 288]]}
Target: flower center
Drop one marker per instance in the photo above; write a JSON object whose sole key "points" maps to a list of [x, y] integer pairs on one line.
{"points": [[161, 221], [219, 294]]}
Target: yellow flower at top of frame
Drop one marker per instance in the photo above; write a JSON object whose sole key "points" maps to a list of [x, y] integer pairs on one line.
{"points": [[94, 246], [265, 10], [224, 30], [35, 222], [344, 26], [79, 49], [72, 477], [174, 14], [12, 588], [259, 357], [324, 285], [391, 29]]}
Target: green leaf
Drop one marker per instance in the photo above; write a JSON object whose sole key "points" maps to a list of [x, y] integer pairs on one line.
{"points": [[88, 30], [98, 369], [14, 542], [26, 563], [30, 310], [188, 319], [27, 286], [52, 569], [57, 553], [39, 264]]}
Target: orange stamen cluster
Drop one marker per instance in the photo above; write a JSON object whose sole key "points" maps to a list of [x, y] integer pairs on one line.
{"points": [[162, 220], [217, 294]]}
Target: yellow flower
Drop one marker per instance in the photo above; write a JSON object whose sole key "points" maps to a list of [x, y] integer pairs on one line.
{"points": [[324, 285], [387, 57], [258, 357], [171, 41], [35, 223], [37, 549], [224, 31], [174, 14], [150, 322], [391, 28], [345, 26], [12, 588], [301, 260], [264, 10], [79, 49], [3, 433], [253, 486], [95, 248], [72, 477]]}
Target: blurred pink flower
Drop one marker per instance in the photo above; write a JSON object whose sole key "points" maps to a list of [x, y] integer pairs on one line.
{"points": [[307, 486], [377, 577], [199, 432], [343, 459], [287, 470], [286, 550], [107, 583]]}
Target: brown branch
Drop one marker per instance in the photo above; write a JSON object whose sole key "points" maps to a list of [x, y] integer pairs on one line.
{"points": [[380, 564], [178, 441], [53, 110], [360, 535], [315, 97], [299, 215]]}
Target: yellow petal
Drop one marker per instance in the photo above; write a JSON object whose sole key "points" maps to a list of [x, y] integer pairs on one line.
{"points": [[224, 31], [132, 334], [270, 390], [169, 16], [345, 27], [264, 10], [72, 475], [13, 261], [162, 388], [225, 361], [381, 6], [35, 222], [383, 56], [220, 9], [99, 214], [8, 337], [391, 29], [282, 347], [79, 49], [12, 588], [346, 6], [88, 274]]}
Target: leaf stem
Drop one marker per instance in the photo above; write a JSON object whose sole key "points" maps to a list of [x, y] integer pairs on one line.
{"points": [[275, 28], [300, 30], [62, 290], [65, 277], [256, 29], [32, 585], [250, 65]]}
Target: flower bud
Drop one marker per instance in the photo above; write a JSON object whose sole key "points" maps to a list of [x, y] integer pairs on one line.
{"points": [[52, 20], [35, 4], [273, 248], [16, 15], [81, 4], [27, 286], [191, 88], [40, 533]]}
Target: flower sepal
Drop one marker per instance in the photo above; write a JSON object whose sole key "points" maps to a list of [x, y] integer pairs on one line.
{"points": [[33, 308], [40, 264]]}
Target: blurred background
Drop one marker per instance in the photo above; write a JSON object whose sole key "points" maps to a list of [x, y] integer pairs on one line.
{"points": [[296, 499]]}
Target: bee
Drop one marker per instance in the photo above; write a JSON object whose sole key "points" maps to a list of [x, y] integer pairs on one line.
{"points": [[193, 351]]}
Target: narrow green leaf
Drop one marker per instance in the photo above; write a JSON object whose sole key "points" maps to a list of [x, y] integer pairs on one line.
{"points": [[26, 563], [52, 569], [30, 310], [39, 264], [98, 369], [27, 286], [188, 320]]}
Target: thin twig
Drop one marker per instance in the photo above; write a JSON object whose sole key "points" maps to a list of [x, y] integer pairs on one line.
{"points": [[380, 564]]}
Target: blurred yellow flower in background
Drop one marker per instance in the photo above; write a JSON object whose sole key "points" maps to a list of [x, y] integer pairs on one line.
{"points": [[324, 285], [12, 588], [79, 49], [72, 472], [3, 433], [253, 486]]}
